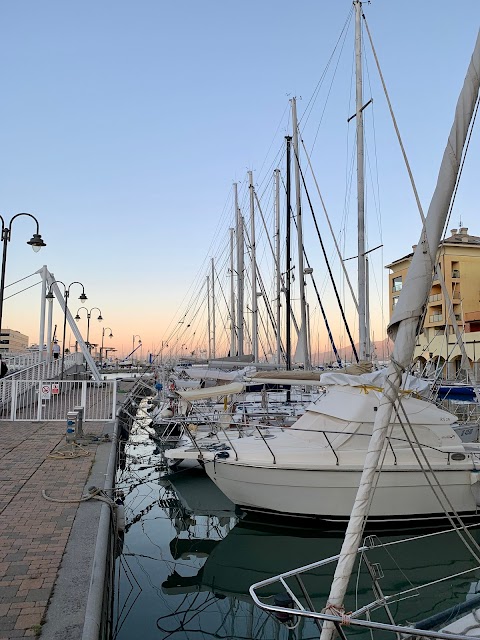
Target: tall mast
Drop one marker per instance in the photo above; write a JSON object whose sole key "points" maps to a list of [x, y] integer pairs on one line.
{"points": [[301, 277], [232, 295], [277, 261], [254, 271], [240, 270], [288, 338], [209, 330], [362, 298], [213, 309]]}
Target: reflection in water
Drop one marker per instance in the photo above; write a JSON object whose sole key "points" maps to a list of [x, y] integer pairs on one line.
{"points": [[188, 561]]}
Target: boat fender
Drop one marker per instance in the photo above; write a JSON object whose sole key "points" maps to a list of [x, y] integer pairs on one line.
{"points": [[219, 455], [120, 514]]}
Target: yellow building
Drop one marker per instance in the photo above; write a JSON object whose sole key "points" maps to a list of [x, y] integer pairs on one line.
{"points": [[458, 258], [12, 341]]}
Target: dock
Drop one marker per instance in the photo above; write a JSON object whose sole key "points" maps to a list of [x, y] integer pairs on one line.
{"points": [[48, 532]]}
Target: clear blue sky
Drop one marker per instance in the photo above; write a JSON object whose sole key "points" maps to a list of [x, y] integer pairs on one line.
{"points": [[123, 125]]}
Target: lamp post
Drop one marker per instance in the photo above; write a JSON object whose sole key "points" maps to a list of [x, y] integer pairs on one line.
{"points": [[66, 294], [35, 242], [101, 348], [89, 315], [133, 344]]}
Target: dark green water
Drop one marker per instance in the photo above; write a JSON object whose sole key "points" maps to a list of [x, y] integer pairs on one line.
{"points": [[188, 561]]}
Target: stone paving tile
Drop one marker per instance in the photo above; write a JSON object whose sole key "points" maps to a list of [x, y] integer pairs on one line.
{"points": [[34, 531]]}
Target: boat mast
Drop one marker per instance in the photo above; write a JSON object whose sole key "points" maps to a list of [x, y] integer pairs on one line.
{"points": [[288, 338], [277, 262], [213, 309], [301, 276], [240, 269], [254, 271], [362, 298], [208, 320], [232, 295]]}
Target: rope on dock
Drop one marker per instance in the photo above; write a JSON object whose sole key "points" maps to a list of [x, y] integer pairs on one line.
{"points": [[73, 451]]}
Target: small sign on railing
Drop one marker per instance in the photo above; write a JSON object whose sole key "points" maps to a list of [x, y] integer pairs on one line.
{"points": [[46, 392], [55, 388]]}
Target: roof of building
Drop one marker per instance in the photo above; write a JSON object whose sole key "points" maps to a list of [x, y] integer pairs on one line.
{"points": [[458, 236]]}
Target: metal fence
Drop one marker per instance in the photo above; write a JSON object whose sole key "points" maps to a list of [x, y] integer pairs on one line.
{"points": [[51, 400]]}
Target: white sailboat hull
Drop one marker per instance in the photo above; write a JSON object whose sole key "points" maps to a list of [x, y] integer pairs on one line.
{"points": [[329, 494]]}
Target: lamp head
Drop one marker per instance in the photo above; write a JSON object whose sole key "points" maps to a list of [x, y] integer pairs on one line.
{"points": [[111, 335], [49, 296], [77, 317], [83, 297], [100, 317], [36, 242]]}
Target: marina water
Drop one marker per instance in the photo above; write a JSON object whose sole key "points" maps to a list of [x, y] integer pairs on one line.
{"points": [[188, 559]]}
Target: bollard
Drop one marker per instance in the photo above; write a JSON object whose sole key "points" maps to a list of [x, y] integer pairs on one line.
{"points": [[71, 432], [80, 411]]}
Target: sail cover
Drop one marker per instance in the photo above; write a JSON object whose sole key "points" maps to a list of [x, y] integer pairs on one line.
{"points": [[212, 392]]}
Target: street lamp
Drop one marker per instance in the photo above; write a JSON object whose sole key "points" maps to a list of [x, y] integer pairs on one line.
{"points": [[133, 344], [103, 335], [66, 294], [35, 242], [89, 315]]}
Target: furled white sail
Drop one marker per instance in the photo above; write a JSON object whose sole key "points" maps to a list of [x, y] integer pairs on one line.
{"points": [[403, 328], [204, 373], [300, 357], [212, 392]]}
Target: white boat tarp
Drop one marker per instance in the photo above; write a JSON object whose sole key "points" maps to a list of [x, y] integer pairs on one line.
{"points": [[212, 392], [376, 379]]}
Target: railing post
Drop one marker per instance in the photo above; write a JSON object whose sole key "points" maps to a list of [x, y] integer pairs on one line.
{"points": [[13, 405], [83, 401], [114, 401], [39, 408]]}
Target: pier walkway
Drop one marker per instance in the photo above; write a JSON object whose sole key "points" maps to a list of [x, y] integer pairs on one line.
{"points": [[47, 547]]}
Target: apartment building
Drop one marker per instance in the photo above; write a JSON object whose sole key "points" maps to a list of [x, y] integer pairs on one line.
{"points": [[458, 260], [12, 341]]}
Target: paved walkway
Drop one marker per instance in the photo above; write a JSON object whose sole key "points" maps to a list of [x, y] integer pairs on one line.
{"points": [[34, 531]]}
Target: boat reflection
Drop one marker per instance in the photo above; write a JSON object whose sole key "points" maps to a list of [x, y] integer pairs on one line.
{"points": [[189, 559], [254, 550]]}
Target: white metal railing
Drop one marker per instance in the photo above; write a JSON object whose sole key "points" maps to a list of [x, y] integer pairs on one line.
{"points": [[45, 370], [49, 400], [301, 604], [22, 360]]}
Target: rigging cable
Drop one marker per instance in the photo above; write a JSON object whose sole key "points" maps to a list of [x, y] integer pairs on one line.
{"points": [[328, 265], [21, 290]]}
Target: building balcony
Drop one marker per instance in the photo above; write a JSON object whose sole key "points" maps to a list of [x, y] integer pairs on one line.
{"points": [[436, 318], [455, 273], [436, 297]]}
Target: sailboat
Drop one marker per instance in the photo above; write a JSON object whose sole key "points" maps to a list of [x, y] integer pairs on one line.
{"points": [[315, 467]]}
